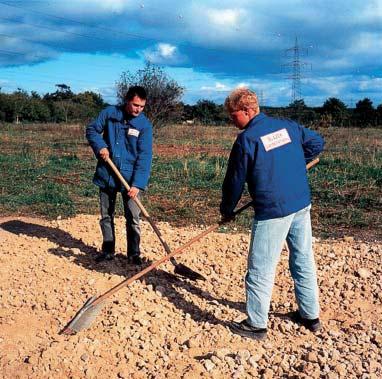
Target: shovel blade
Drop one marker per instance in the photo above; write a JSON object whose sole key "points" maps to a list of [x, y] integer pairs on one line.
{"points": [[188, 273], [83, 318]]}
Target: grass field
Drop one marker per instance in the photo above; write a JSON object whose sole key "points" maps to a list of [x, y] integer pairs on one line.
{"points": [[47, 170]]}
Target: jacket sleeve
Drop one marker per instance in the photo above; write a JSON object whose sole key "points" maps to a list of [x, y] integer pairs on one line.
{"points": [[94, 132], [312, 144], [234, 181], [142, 165]]}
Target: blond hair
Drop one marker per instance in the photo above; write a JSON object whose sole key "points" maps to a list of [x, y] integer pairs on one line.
{"points": [[241, 99]]}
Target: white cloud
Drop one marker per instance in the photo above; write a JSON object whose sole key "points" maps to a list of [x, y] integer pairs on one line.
{"points": [[218, 87], [224, 17], [166, 50], [163, 53], [331, 85], [370, 84]]}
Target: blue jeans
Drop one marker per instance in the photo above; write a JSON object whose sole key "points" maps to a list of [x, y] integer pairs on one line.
{"points": [[264, 252]]}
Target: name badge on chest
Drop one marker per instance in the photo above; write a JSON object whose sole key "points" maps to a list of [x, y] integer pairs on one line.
{"points": [[133, 132], [276, 139]]}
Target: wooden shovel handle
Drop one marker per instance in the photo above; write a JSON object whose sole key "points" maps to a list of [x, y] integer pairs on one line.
{"points": [[123, 181]]}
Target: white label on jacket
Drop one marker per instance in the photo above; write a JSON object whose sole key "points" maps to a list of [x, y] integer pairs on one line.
{"points": [[275, 139], [133, 132]]}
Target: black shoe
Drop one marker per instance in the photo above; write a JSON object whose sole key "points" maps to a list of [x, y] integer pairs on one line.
{"points": [[313, 325], [246, 330], [135, 260], [104, 257]]}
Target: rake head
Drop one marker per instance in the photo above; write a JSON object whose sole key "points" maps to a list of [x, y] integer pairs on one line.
{"points": [[83, 318]]}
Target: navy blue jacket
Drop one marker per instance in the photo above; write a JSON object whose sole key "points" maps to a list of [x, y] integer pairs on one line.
{"points": [[270, 154], [129, 141]]}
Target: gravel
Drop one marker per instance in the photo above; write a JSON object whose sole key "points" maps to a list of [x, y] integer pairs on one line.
{"points": [[165, 326]]}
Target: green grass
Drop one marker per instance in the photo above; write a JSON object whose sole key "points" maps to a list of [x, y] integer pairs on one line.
{"points": [[47, 170]]}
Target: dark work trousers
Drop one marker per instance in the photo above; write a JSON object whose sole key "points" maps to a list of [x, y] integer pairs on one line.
{"points": [[132, 212]]}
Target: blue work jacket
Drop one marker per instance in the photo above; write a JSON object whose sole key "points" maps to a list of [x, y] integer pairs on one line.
{"points": [[129, 141], [270, 155]]}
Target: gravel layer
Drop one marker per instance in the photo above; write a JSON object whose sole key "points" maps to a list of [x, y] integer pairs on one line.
{"points": [[164, 326]]}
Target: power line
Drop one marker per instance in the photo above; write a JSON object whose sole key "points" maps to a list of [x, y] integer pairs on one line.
{"points": [[295, 66], [73, 21]]}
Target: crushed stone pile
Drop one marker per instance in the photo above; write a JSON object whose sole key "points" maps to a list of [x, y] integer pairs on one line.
{"points": [[164, 326]]}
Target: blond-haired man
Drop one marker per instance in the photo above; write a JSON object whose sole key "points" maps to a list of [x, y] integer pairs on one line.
{"points": [[270, 155]]}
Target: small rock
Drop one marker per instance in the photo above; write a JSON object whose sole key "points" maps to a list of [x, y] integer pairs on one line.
{"points": [[238, 373], [267, 374], [209, 365], [252, 362], [243, 356], [378, 340], [363, 273], [124, 374], [340, 369], [84, 357], [143, 322], [221, 353], [349, 239], [312, 357], [217, 361]]}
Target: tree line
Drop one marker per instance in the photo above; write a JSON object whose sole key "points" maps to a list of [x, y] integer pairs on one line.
{"points": [[164, 105], [60, 106]]}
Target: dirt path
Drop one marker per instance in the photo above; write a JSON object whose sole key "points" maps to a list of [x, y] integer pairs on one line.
{"points": [[165, 326]]}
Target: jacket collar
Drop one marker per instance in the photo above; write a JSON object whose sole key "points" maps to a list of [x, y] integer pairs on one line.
{"points": [[256, 119], [128, 119]]}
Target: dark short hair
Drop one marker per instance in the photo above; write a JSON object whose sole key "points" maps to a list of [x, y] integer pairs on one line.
{"points": [[135, 91]]}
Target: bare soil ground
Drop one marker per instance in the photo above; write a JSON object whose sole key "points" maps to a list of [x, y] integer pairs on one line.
{"points": [[168, 327]]}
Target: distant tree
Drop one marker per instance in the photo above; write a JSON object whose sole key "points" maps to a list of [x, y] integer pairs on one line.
{"points": [[20, 101], [209, 113], [62, 99], [164, 94], [35, 95], [365, 113], [337, 111], [188, 112], [87, 105], [298, 104], [301, 113]]}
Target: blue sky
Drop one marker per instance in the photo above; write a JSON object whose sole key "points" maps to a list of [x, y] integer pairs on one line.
{"points": [[209, 47]]}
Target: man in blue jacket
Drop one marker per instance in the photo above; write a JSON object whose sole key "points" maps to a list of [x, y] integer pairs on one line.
{"points": [[124, 134], [270, 155]]}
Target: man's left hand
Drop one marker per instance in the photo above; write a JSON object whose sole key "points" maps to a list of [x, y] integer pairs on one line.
{"points": [[133, 192]]}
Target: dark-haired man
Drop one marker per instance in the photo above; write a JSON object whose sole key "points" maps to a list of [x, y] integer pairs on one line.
{"points": [[124, 134]]}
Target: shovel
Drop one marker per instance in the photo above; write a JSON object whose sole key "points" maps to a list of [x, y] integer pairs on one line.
{"points": [[89, 311], [179, 268]]}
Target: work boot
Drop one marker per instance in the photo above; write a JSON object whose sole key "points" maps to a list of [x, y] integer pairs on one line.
{"points": [[135, 260], [245, 330], [313, 325], [107, 254]]}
